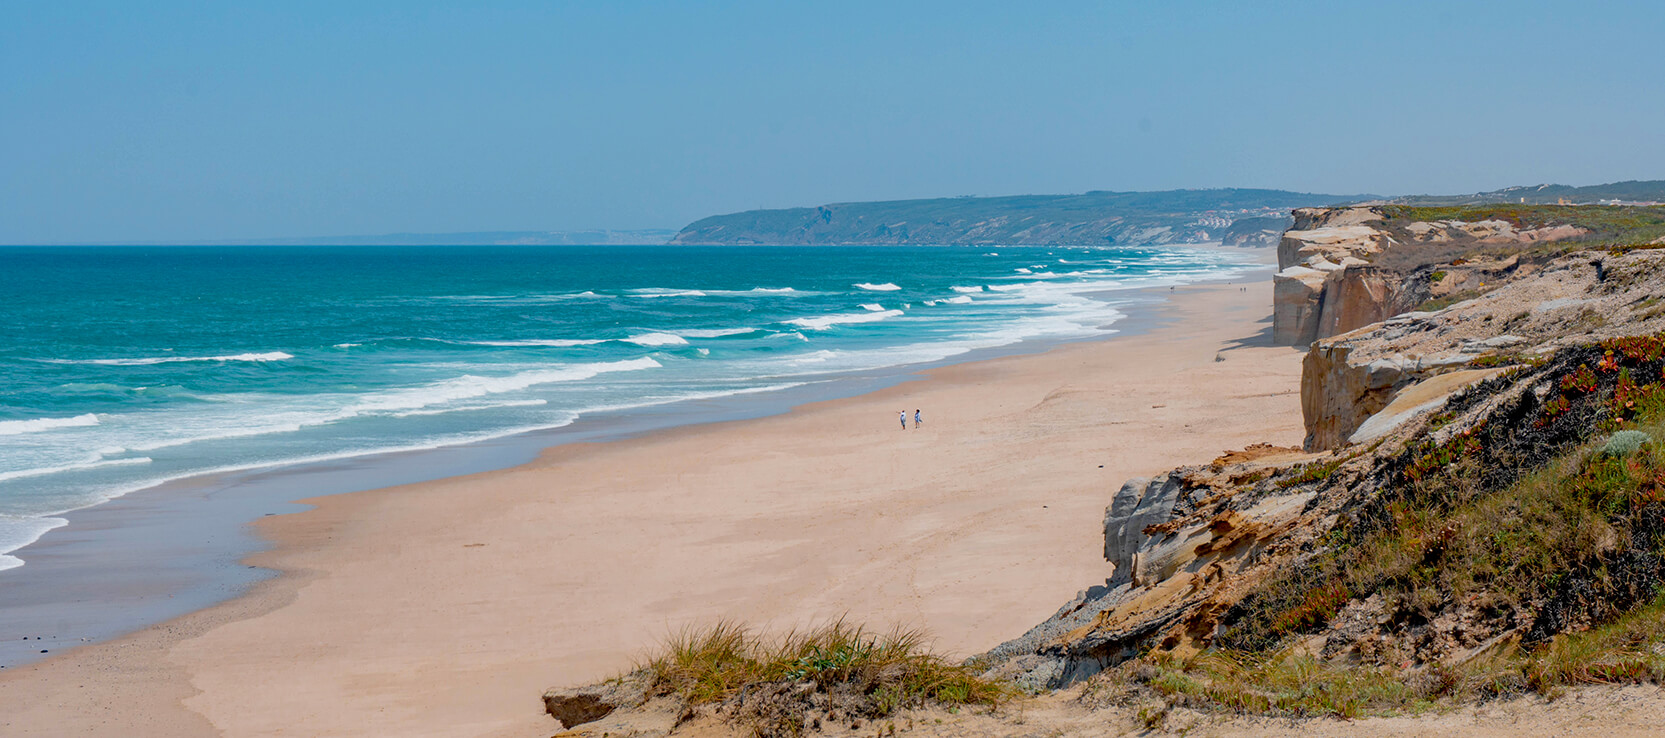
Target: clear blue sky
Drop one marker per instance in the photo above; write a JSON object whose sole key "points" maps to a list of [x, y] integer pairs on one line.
{"points": [[159, 120]]}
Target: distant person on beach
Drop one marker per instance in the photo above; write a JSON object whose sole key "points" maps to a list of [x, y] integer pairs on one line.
{"points": [[904, 420], [916, 419]]}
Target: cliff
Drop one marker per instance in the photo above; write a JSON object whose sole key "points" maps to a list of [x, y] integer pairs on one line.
{"points": [[1344, 268], [1244, 217], [1444, 447]]}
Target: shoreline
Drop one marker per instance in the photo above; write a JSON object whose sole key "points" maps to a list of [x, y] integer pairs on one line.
{"points": [[162, 552], [303, 538]]}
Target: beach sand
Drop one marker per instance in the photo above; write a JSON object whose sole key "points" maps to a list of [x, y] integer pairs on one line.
{"points": [[446, 608]]}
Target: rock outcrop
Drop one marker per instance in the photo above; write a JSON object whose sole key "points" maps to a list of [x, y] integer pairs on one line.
{"points": [[1188, 546], [1347, 378], [1345, 268], [1325, 282], [589, 704]]}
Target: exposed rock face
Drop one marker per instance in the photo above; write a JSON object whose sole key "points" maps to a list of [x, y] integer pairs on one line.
{"points": [[1297, 299], [1332, 234], [1330, 280], [1347, 378], [1190, 545], [1325, 283], [1139, 504], [1176, 541]]}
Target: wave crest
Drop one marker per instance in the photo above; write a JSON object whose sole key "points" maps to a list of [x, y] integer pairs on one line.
{"points": [[37, 425]]}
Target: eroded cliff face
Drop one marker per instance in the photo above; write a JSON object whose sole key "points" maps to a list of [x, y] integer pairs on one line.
{"points": [[1344, 268], [1188, 546], [1326, 283]]}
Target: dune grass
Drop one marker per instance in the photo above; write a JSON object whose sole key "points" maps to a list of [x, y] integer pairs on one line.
{"points": [[785, 684]]}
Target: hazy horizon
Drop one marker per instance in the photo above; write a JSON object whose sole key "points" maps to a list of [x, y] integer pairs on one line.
{"points": [[178, 122]]}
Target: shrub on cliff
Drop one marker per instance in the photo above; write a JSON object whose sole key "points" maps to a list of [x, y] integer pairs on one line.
{"points": [[1625, 443], [1525, 551]]}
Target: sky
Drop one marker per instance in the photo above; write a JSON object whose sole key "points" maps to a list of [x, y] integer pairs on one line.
{"points": [[188, 122]]}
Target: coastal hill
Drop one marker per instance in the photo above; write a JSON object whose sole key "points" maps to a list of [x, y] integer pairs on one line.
{"points": [[1234, 217], [1246, 217]]}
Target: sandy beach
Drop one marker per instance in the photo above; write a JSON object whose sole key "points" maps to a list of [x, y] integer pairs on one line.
{"points": [[446, 608]]}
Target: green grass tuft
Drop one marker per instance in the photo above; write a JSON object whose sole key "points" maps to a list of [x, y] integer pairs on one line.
{"points": [[775, 683]]}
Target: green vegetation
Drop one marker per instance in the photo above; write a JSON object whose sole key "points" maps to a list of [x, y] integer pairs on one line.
{"points": [[785, 685], [1644, 191], [1295, 685], [1609, 225], [1315, 471], [1624, 443], [1441, 303], [1541, 530]]}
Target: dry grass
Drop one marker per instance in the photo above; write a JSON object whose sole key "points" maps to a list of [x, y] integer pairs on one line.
{"points": [[1290, 684], [1563, 561], [787, 684]]}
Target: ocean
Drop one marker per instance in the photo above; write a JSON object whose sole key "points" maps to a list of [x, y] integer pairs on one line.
{"points": [[122, 368]]}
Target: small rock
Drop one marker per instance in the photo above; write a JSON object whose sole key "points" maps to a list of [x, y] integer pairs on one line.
{"points": [[580, 705]]}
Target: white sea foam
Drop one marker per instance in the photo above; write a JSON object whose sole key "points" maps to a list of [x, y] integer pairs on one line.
{"points": [[347, 345], [977, 288], [470, 386], [95, 462], [37, 425], [961, 300], [886, 287], [754, 292], [715, 332], [438, 442], [658, 292], [267, 356], [873, 306], [816, 357], [15, 533], [468, 408], [673, 292], [824, 322], [1022, 270], [657, 339], [551, 342], [434, 395]]}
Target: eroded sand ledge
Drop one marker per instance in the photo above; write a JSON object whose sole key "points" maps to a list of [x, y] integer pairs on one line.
{"points": [[391, 619]]}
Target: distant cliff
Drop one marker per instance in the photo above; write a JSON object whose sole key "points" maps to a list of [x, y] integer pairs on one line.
{"points": [[1243, 217]]}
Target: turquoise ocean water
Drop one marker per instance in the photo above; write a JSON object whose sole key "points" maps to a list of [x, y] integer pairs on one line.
{"points": [[125, 367]]}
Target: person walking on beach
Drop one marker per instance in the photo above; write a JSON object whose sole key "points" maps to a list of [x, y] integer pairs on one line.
{"points": [[917, 420], [904, 420]]}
